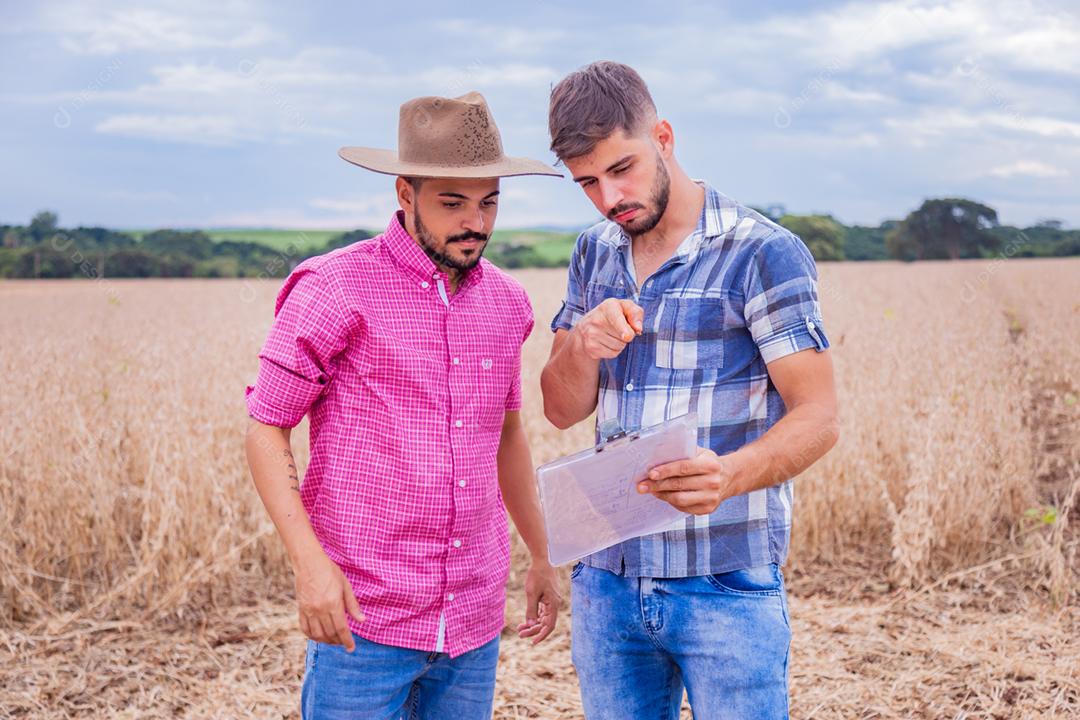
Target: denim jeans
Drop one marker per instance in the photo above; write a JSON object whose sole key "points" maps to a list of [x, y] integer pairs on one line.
{"points": [[636, 642], [382, 682]]}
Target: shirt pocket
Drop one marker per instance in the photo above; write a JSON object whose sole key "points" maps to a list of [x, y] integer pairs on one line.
{"points": [[690, 332], [491, 374]]}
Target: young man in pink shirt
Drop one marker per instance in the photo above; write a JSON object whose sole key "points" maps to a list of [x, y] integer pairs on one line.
{"points": [[405, 351]]}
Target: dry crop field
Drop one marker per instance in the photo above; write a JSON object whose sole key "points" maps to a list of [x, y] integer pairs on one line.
{"points": [[934, 567]]}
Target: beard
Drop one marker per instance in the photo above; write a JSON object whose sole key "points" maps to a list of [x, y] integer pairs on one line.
{"points": [[659, 195], [439, 253]]}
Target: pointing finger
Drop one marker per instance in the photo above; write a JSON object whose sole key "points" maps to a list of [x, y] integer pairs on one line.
{"points": [[634, 315]]}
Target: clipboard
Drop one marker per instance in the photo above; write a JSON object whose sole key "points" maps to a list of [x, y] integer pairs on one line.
{"points": [[590, 499]]}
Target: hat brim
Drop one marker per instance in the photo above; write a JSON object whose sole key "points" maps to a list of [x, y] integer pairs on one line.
{"points": [[388, 163]]}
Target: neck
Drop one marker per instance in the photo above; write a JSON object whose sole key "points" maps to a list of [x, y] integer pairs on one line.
{"points": [[453, 276]]}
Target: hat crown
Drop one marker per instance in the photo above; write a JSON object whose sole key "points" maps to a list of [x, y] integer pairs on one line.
{"points": [[451, 132]]}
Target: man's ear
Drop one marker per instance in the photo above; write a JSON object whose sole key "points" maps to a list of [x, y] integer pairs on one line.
{"points": [[406, 196], [664, 138]]}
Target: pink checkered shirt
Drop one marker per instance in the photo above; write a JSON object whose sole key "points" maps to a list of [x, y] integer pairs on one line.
{"points": [[406, 387]]}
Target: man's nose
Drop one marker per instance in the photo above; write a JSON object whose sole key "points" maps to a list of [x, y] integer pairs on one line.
{"points": [[610, 197], [474, 222]]}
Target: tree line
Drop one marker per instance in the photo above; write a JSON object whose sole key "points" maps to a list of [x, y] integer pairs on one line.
{"points": [[942, 228], [43, 250]]}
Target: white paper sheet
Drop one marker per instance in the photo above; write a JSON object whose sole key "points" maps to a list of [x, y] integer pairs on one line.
{"points": [[590, 499]]}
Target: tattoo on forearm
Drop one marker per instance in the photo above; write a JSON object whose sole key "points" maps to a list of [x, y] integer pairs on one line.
{"points": [[292, 472]]}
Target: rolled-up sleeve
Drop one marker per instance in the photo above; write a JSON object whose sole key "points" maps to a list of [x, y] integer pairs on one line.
{"points": [[573, 307], [781, 300], [296, 360]]}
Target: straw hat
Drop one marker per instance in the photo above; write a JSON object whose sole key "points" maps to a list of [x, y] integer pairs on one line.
{"points": [[446, 138]]}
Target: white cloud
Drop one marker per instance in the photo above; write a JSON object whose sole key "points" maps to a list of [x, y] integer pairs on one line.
{"points": [[456, 80], [865, 85], [506, 38], [744, 101], [1046, 126], [360, 209], [194, 129], [946, 123], [841, 93], [370, 210], [1052, 44], [85, 29], [1018, 34], [142, 196], [318, 91], [1028, 168], [260, 100]]}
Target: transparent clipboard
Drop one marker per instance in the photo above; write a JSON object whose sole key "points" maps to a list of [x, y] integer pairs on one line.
{"points": [[590, 499]]}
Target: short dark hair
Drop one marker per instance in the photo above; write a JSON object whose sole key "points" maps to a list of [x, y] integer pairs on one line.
{"points": [[590, 104], [414, 182]]}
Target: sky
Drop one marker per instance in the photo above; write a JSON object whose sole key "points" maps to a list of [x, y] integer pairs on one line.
{"points": [[222, 114]]}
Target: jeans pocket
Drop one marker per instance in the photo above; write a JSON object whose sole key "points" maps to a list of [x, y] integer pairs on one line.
{"points": [[762, 580]]}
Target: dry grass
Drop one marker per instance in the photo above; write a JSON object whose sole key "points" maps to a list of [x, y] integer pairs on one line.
{"points": [[870, 656], [934, 553]]}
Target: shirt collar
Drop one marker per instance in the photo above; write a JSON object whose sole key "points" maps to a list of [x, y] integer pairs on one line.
{"points": [[411, 258], [718, 216]]}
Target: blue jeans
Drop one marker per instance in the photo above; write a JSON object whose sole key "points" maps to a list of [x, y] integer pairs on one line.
{"points": [[636, 642], [382, 682]]}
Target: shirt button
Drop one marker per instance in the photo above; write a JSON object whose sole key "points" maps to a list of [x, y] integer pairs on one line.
{"points": [[457, 543], [629, 386], [457, 423], [425, 285], [461, 483], [457, 361], [450, 597]]}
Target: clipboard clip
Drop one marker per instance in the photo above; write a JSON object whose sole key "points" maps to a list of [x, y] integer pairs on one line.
{"points": [[610, 430]]}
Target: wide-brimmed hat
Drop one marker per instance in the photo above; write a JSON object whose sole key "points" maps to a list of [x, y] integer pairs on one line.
{"points": [[447, 138]]}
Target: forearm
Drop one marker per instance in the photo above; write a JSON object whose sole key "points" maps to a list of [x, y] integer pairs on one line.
{"points": [[277, 481], [517, 482], [569, 383], [794, 443]]}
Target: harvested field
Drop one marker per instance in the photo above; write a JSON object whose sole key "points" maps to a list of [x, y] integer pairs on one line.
{"points": [[934, 567]]}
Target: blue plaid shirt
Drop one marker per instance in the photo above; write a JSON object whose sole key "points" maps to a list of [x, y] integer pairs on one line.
{"points": [[740, 292]]}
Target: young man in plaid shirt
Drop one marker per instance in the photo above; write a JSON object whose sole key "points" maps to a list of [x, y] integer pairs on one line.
{"points": [[684, 300]]}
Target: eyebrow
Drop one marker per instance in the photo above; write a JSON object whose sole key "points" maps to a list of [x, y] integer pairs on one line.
{"points": [[609, 168], [465, 197]]}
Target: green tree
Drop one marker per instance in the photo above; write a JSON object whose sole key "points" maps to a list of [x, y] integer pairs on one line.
{"points": [[950, 228], [43, 225], [865, 242], [821, 233], [195, 244], [42, 261], [12, 237], [344, 239], [133, 263]]}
